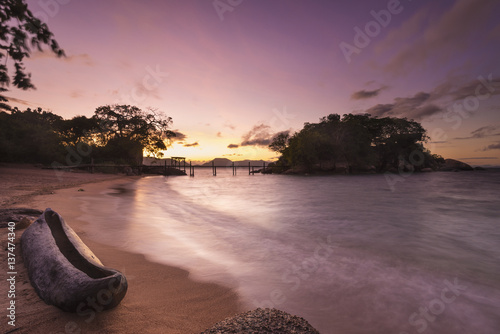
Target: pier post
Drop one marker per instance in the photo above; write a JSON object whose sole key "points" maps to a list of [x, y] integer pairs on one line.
{"points": [[249, 168]]}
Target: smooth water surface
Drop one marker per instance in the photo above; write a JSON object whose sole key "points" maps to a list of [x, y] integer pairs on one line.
{"points": [[346, 252]]}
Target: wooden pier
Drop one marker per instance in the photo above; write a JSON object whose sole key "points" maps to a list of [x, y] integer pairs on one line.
{"points": [[177, 166], [252, 169]]}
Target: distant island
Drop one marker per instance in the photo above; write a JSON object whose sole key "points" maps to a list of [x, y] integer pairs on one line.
{"points": [[240, 163]]}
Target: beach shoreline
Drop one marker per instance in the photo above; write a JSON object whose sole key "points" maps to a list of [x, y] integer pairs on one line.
{"points": [[160, 298]]}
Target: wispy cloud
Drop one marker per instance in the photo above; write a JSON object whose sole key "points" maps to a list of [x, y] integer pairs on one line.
{"points": [[453, 90], [365, 94], [426, 104], [415, 107], [483, 132], [20, 101], [179, 136], [76, 94], [495, 146], [230, 125], [83, 58], [479, 158], [441, 38], [192, 144], [233, 146], [259, 135]]}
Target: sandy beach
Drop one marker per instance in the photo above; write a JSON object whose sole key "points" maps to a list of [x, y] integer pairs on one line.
{"points": [[160, 299]]}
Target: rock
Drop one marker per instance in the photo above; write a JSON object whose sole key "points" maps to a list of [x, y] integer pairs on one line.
{"points": [[129, 171], [23, 223], [263, 321], [23, 217], [479, 168], [452, 164], [295, 171]]}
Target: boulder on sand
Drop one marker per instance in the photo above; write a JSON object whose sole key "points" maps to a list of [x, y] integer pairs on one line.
{"points": [[263, 321]]}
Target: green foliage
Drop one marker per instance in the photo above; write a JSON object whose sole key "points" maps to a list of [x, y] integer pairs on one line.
{"points": [[19, 32], [357, 142]]}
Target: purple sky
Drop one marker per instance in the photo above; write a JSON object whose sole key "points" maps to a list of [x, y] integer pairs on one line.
{"points": [[234, 72]]}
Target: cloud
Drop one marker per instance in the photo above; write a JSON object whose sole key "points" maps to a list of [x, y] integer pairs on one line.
{"points": [[439, 39], [179, 136], [192, 145], [365, 94], [427, 104], [229, 125], [83, 58], [492, 147], [20, 101], [483, 86], [141, 92], [483, 132], [259, 135], [233, 146], [76, 94], [219, 134], [415, 107], [479, 158]]}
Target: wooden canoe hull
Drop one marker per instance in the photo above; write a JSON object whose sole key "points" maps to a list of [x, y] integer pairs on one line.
{"points": [[64, 271]]}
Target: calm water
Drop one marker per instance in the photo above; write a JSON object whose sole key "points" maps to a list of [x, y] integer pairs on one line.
{"points": [[346, 252]]}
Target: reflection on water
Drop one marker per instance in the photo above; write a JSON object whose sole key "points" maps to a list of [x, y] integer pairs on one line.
{"points": [[346, 253]]}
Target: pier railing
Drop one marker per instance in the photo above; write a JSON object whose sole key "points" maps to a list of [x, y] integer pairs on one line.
{"points": [[252, 169], [165, 169]]}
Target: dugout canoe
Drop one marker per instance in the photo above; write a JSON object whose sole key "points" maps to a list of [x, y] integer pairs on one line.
{"points": [[64, 271]]}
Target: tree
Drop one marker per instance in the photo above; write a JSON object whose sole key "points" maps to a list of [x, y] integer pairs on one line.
{"points": [[79, 129], [360, 142], [20, 30], [280, 142], [30, 136], [128, 132]]}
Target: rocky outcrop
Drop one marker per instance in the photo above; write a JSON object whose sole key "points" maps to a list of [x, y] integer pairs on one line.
{"points": [[22, 217], [455, 165], [263, 321]]}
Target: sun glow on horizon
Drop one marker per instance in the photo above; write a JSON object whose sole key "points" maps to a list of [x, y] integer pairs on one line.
{"points": [[209, 151]]}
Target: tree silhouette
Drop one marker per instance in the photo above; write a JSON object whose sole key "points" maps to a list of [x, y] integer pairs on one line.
{"points": [[20, 31], [128, 131], [360, 142]]}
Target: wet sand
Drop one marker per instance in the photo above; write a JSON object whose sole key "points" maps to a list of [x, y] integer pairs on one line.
{"points": [[160, 299]]}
